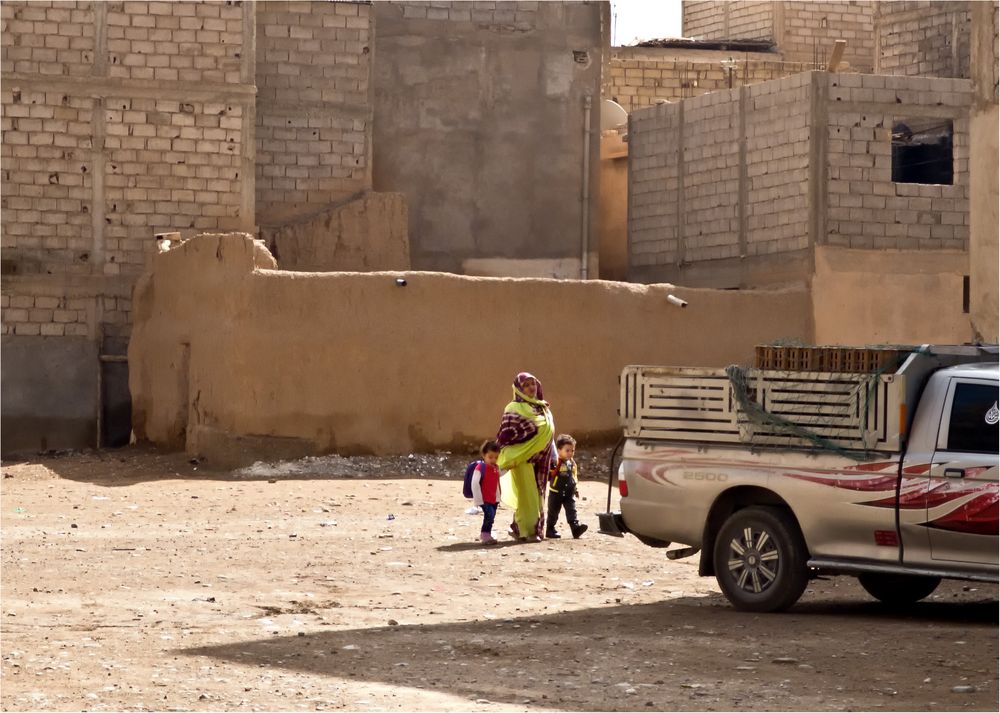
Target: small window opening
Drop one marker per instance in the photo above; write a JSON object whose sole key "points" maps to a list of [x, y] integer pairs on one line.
{"points": [[965, 294], [922, 151]]}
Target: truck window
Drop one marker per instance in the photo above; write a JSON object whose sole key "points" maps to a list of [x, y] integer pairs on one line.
{"points": [[974, 417]]}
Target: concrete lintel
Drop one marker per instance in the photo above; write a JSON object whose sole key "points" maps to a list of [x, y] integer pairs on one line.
{"points": [[248, 58], [141, 88], [70, 285], [743, 194], [248, 169], [931, 111], [97, 208], [680, 183]]}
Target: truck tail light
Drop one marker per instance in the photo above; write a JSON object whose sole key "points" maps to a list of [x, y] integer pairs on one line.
{"points": [[623, 487]]}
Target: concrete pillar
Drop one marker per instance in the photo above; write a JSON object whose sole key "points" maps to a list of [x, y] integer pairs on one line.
{"points": [[983, 166]]}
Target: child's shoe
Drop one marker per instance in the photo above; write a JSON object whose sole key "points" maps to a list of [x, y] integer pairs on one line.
{"points": [[487, 539], [578, 529], [552, 535]]}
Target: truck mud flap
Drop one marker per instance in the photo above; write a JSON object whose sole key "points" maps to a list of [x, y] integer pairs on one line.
{"points": [[611, 523]]}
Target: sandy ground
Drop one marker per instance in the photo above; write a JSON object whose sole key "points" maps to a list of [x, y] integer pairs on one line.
{"points": [[134, 580]]}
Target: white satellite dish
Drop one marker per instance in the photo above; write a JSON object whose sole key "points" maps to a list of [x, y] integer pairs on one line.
{"points": [[613, 115]]}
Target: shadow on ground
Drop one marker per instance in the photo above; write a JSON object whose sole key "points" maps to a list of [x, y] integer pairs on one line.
{"points": [[672, 655]]}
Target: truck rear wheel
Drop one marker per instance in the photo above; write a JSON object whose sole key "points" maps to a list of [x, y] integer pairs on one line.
{"points": [[899, 589], [760, 560]]}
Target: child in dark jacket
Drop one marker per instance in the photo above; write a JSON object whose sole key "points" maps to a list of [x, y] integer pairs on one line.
{"points": [[486, 489], [563, 491]]}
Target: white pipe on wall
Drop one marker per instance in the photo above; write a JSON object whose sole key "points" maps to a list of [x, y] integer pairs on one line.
{"points": [[585, 227]]}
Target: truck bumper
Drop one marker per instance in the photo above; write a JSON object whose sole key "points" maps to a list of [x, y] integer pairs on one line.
{"points": [[611, 523]]}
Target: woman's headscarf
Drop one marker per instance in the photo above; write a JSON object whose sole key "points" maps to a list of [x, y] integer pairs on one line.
{"points": [[519, 395]]}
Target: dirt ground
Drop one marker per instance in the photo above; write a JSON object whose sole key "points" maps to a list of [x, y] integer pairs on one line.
{"points": [[134, 580]]}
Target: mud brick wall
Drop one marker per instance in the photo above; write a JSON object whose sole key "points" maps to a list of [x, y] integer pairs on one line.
{"points": [[120, 120], [637, 77], [737, 186], [314, 107], [865, 208], [923, 38]]}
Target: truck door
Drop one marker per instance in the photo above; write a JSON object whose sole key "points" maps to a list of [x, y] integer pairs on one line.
{"points": [[962, 495]]}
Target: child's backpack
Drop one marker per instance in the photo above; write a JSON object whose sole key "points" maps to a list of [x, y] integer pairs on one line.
{"points": [[469, 471]]}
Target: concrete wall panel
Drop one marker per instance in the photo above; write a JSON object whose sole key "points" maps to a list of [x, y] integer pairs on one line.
{"points": [[479, 116], [49, 387]]}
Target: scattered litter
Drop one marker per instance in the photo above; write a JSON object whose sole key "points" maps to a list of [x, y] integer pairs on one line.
{"points": [[963, 689], [473, 511], [784, 659], [100, 497], [19, 510], [648, 583], [391, 517], [349, 647], [328, 523]]}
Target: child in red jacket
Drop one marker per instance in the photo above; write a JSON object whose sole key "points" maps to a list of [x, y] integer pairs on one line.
{"points": [[486, 489]]}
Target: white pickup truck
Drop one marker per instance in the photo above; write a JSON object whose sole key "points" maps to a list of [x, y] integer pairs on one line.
{"points": [[779, 476]]}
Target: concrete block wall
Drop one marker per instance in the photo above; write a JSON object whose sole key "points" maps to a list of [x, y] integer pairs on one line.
{"points": [[926, 38], [314, 106], [149, 138], [637, 77], [709, 212], [722, 20], [718, 177], [734, 188], [120, 120], [865, 208], [653, 185], [777, 156], [804, 31]]}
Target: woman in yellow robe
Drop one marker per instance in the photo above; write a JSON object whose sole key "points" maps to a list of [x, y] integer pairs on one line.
{"points": [[526, 450]]}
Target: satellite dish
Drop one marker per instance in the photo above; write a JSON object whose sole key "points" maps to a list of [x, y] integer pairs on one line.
{"points": [[613, 115]]}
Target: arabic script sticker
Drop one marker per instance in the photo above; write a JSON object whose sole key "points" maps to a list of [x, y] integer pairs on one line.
{"points": [[993, 415]]}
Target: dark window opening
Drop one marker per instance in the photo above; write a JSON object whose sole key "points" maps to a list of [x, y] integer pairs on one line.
{"points": [[965, 294], [974, 418], [922, 151]]}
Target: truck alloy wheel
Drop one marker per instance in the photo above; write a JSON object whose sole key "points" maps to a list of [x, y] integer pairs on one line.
{"points": [[760, 560]]}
